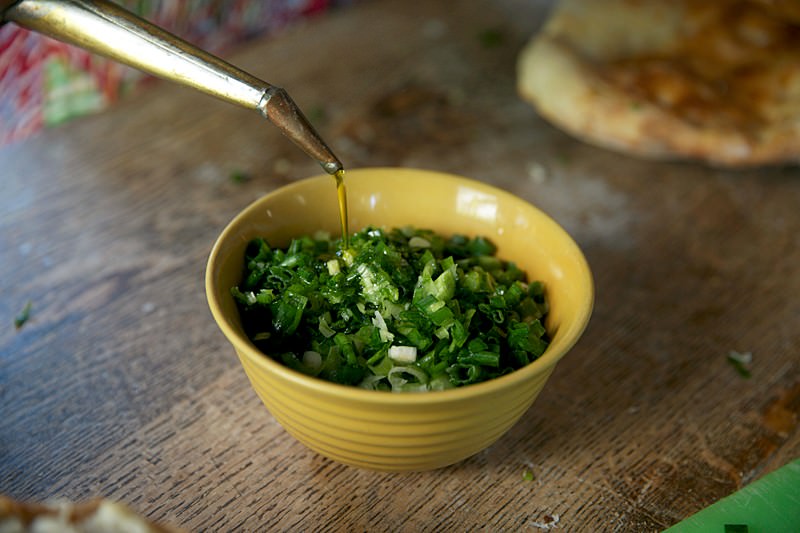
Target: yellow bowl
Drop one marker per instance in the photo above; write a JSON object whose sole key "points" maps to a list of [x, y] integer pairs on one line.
{"points": [[403, 431]]}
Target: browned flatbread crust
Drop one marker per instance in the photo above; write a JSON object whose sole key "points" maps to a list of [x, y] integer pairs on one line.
{"points": [[93, 516], [714, 80]]}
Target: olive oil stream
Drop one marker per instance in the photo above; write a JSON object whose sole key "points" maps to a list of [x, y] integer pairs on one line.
{"points": [[341, 193]]}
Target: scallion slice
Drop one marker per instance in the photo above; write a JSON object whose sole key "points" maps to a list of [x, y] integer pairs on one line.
{"points": [[401, 309]]}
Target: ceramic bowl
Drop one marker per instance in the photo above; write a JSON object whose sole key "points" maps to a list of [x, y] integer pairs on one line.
{"points": [[403, 431]]}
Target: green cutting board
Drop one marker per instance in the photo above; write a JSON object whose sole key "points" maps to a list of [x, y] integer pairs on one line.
{"points": [[769, 505]]}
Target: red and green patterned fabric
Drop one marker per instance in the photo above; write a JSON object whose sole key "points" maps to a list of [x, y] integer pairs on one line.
{"points": [[44, 82]]}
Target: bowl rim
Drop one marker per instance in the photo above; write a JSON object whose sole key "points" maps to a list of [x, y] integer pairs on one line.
{"points": [[246, 349]]}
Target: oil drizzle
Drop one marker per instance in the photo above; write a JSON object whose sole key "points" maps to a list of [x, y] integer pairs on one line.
{"points": [[341, 192]]}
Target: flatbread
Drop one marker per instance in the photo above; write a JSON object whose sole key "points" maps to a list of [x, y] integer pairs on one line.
{"points": [[710, 80], [94, 516]]}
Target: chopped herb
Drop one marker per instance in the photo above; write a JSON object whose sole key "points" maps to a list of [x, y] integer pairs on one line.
{"points": [[741, 362], [238, 176], [736, 528], [23, 315], [527, 475], [491, 38], [402, 309]]}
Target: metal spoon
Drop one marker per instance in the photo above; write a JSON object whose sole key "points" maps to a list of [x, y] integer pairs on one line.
{"points": [[107, 29]]}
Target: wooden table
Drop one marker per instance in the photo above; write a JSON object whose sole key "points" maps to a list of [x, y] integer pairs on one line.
{"points": [[121, 385]]}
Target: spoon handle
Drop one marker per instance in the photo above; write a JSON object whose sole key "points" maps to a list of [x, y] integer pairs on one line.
{"points": [[105, 28]]}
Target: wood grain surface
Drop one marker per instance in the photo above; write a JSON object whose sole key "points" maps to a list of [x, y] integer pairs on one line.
{"points": [[121, 385]]}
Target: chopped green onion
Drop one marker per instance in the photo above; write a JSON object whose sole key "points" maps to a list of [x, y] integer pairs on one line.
{"points": [[312, 360], [239, 176], [407, 378], [403, 354], [324, 328], [23, 316], [418, 242], [402, 309], [333, 267], [740, 362]]}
